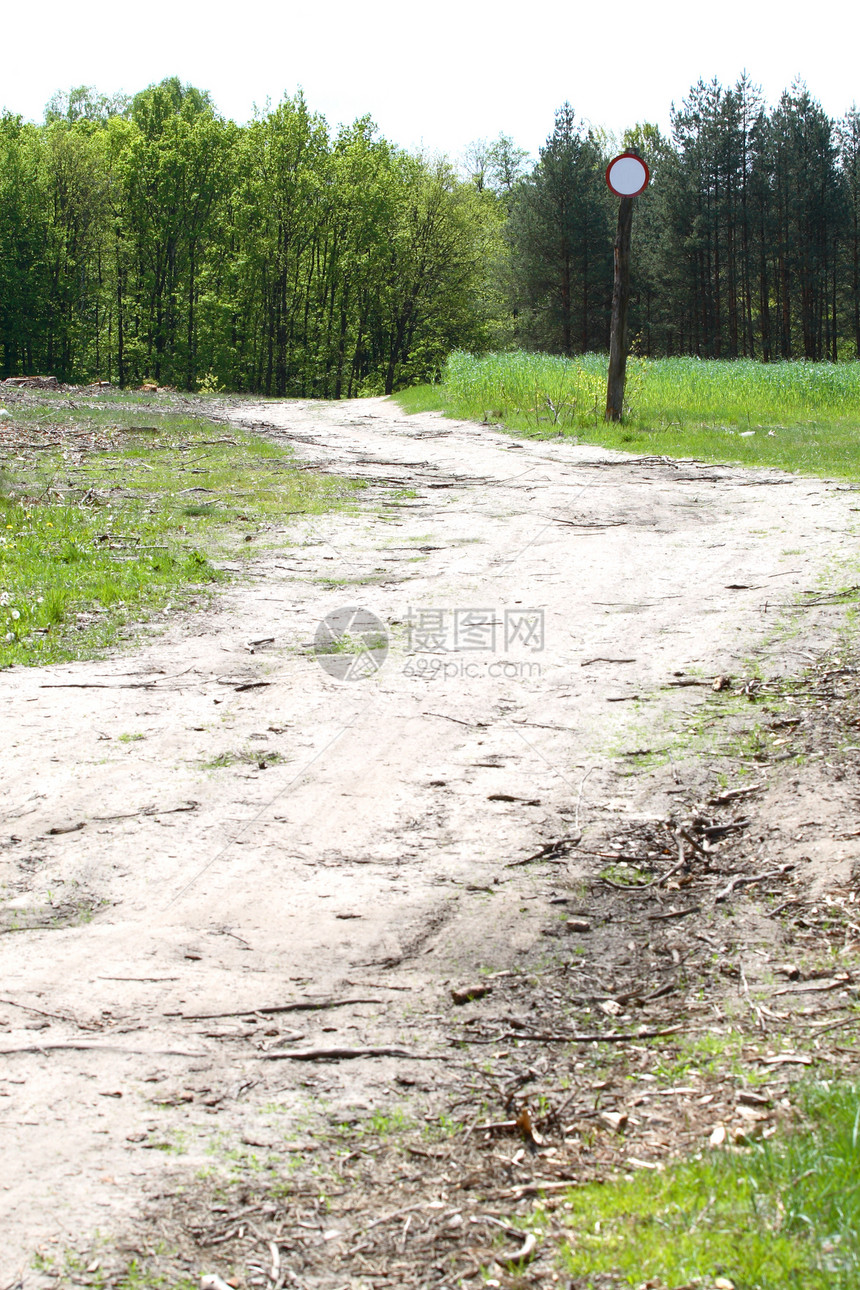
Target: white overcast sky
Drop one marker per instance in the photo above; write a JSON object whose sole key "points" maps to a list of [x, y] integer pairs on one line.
{"points": [[437, 75]]}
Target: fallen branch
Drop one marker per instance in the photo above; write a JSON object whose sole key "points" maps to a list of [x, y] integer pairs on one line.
{"points": [[100, 1048], [40, 1012], [741, 881], [655, 882], [632, 996], [732, 793], [547, 851], [674, 913], [677, 867], [792, 900], [522, 1255], [148, 810], [303, 1005], [137, 978], [611, 1037], [787, 1059], [837, 1025], [720, 830], [684, 833], [589, 661], [837, 984], [99, 685], [531, 1189], [624, 855], [585, 524], [831, 597], [387, 1218], [443, 716], [347, 1054]]}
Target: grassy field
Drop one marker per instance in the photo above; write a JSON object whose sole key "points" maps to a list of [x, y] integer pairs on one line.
{"points": [[764, 1216], [797, 416], [119, 508]]}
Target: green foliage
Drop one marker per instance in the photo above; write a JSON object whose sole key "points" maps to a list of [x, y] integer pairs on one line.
{"points": [[151, 239], [744, 245], [85, 103], [498, 166], [148, 238]]}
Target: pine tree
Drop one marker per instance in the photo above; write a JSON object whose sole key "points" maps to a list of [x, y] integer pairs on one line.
{"points": [[561, 244]]}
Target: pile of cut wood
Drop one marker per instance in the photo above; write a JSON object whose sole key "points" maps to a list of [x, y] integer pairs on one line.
{"points": [[33, 382]]}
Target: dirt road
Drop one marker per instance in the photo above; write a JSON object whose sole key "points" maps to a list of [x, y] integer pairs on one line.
{"points": [[207, 827]]}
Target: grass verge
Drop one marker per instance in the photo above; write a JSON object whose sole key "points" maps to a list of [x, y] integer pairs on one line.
{"points": [[796, 416], [762, 1217], [111, 510]]}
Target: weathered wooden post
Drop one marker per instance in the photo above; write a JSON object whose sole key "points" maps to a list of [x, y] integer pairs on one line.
{"points": [[627, 176]]}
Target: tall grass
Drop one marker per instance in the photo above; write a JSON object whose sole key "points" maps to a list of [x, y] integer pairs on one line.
{"points": [[538, 389], [796, 415], [551, 391]]}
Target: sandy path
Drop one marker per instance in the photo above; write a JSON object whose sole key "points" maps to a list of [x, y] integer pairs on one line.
{"points": [[372, 855]]}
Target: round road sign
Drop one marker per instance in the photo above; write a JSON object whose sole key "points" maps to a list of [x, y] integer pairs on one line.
{"points": [[627, 175]]}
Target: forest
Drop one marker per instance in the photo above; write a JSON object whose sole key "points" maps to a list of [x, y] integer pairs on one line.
{"points": [[149, 238]]}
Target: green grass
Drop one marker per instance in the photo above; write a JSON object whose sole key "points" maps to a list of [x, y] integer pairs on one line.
{"points": [[137, 1277], [780, 1214], [794, 415], [92, 539]]}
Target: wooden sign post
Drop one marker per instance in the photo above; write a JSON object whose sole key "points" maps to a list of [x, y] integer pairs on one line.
{"points": [[627, 176]]}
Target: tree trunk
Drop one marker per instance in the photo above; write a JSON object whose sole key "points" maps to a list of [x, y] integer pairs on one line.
{"points": [[566, 328], [120, 336], [856, 307], [341, 344], [191, 361]]}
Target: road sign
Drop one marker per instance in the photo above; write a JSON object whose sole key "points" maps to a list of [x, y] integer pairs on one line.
{"points": [[627, 175]]}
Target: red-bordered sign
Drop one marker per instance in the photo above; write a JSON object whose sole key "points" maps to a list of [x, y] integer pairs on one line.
{"points": [[627, 175]]}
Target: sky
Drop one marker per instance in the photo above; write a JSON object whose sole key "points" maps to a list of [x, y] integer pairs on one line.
{"points": [[435, 76]]}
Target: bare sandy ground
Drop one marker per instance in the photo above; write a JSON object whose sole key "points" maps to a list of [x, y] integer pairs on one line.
{"points": [[355, 843]]}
